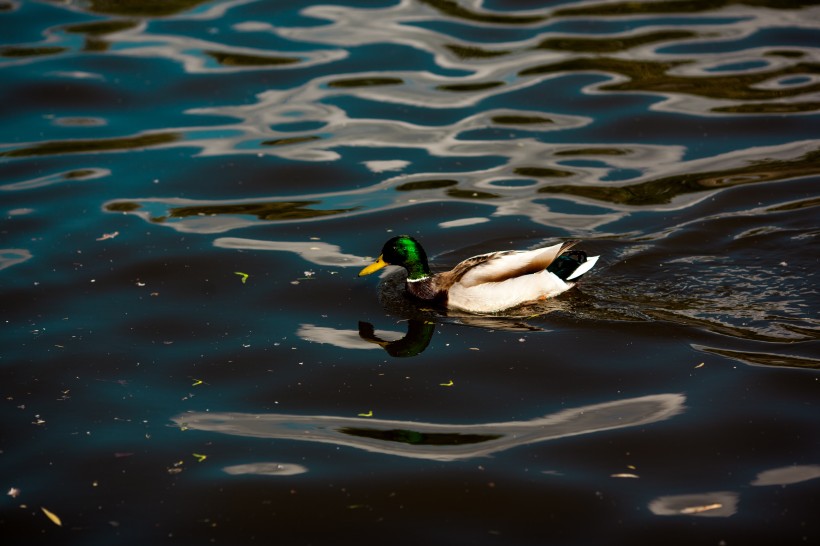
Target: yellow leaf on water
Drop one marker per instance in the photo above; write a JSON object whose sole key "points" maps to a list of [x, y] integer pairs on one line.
{"points": [[52, 516], [243, 275], [368, 414], [448, 384], [200, 457]]}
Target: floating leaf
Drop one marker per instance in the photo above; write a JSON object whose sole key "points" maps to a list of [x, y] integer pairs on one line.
{"points": [[243, 275], [196, 382], [448, 384], [199, 457], [368, 414], [52, 516]]}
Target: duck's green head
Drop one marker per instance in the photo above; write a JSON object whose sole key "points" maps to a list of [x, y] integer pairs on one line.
{"points": [[404, 251]]}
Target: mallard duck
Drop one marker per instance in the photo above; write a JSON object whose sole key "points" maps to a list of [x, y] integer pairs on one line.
{"points": [[490, 282]]}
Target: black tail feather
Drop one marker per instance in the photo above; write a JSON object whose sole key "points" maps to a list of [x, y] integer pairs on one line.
{"points": [[565, 264]]}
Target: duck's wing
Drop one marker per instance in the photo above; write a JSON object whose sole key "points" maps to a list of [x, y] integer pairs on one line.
{"points": [[501, 266]]}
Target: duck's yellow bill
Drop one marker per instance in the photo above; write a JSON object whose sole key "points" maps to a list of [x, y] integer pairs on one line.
{"points": [[372, 268]]}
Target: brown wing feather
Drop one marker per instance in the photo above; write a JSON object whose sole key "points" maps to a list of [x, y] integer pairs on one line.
{"points": [[471, 263]]}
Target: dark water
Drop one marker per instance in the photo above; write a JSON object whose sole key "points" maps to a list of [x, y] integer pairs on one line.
{"points": [[189, 189]]}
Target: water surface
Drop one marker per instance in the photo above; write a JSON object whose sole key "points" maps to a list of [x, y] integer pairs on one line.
{"points": [[189, 188]]}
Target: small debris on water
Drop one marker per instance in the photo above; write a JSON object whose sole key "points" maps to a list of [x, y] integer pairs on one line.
{"points": [[108, 236], [700, 509], [52, 516]]}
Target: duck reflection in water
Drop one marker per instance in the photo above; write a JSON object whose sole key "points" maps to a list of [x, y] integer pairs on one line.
{"points": [[419, 334]]}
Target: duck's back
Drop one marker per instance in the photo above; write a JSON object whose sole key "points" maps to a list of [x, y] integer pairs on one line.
{"points": [[498, 267]]}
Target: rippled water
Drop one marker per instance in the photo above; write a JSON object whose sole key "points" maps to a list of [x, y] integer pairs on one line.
{"points": [[189, 188]]}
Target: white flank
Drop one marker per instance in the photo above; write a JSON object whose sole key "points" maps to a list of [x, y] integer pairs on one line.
{"points": [[497, 296]]}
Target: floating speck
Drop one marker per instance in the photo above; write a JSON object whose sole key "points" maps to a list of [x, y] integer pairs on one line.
{"points": [[701, 509], [52, 516], [108, 236]]}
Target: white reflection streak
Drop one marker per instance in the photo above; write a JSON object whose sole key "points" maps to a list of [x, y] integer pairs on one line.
{"points": [[787, 475], [462, 222], [724, 503], [266, 469], [13, 256], [381, 166], [344, 339], [716, 504], [57, 178], [465, 441], [189, 52], [315, 252]]}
